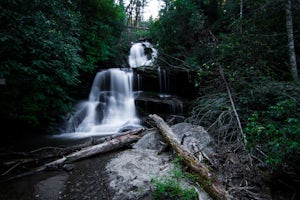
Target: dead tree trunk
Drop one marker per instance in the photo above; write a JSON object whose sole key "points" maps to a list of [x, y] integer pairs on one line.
{"points": [[114, 143], [291, 43], [210, 184], [244, 139]]}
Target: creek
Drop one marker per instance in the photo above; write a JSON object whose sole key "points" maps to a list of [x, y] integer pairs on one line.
{"points": [[119, 99], [117, 102]]}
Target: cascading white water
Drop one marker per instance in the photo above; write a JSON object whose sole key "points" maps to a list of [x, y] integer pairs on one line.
{"points": [[138, 57], [110, 107], [163, 83]]}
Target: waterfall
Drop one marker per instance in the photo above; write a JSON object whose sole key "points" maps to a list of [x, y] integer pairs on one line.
{"points": [[110, 107], [163, 83], [139, 82], [142, 54]]}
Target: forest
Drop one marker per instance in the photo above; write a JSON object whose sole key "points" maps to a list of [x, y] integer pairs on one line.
{"points": [[244, 55]]}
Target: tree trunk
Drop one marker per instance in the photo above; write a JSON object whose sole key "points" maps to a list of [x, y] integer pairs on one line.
{"points": [[107, 146], [243, 136], [210, 184], [290, 35], [241, 9], [241, 14], [114, 143]]}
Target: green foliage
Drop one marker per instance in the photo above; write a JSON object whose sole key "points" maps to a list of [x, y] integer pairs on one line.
{"points": [[276, 132], [247, 52], [178, 29], [253, 52], [39, 59], [170, 188], [102, 22], [261, 93], [44, 47], [255, 45]]}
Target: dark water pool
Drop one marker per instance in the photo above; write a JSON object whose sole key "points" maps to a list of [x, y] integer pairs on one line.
{"points": [[88, 180]]}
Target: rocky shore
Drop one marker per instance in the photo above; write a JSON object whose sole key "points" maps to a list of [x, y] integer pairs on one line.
{"points": [[127, 173]]}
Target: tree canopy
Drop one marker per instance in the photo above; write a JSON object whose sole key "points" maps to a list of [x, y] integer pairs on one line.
{"points": [[45, 47], [251, 42]]}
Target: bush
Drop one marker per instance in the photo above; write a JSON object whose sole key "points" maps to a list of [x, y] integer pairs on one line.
{"points": [[276, 133], [170, 188]]}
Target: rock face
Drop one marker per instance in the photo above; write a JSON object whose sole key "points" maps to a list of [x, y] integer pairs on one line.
{"points": [[163, 91], [131, 171], [179, 82], [147, 103]]}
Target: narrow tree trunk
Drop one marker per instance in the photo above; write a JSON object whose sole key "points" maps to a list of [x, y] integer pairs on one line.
{"points": [[244, 139], [210, 184], [241, 14], [241, 8], [290, 35]]}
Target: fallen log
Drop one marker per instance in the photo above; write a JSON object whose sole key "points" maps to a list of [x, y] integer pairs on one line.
{"points": [[95, 141], [210, 184], [114, 143]]}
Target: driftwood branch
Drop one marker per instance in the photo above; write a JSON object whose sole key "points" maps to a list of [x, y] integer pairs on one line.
{"points": [[115, 142], [210, 184]]}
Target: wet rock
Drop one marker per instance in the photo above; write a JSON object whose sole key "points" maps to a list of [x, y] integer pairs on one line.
{"points": [[152, 140], [131, 172], [180, 82], [68, 167], [148, 103]]}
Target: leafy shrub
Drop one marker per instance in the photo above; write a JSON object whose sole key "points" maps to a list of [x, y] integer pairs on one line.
{"points": [[276, 133], [170, 188]]}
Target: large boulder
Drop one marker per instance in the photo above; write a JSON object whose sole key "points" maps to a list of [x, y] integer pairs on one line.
{"points": [[131, 172], [194, 137]]}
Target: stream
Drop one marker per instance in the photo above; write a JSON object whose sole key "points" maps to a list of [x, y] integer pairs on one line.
{"points": [[110, 109], [86, 181]]}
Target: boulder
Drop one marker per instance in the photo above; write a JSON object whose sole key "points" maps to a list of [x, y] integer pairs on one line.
{"points": [[131, 172], [152, 140], [194, 137]]}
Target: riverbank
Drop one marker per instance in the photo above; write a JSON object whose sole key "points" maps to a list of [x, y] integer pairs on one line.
{"points": [[127, 173]]}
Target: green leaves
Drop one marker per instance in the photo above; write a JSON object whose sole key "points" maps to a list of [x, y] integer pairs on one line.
{"points": [[102, 23], [276, 132], [178, 28], [44, 45], [39, 49], [171, 187]]}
